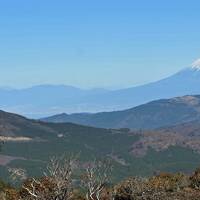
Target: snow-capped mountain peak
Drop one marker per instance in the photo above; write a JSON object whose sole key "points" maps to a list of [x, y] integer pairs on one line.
{"points": [[196, 65]]}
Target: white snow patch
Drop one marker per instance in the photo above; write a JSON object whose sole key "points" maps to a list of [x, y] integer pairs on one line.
{"points": [[196, 64]]}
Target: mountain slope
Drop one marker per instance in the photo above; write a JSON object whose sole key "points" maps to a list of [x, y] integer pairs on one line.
{"points": [[185, 82], [15, 126], [155, 114], [131, 152], [46, 100], [186, 135]]}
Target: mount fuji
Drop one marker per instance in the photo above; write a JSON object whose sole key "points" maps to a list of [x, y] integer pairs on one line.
{"points": [[185, 82], [46, 100]]}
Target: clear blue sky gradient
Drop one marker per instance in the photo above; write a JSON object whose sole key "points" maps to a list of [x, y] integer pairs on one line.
{"points": [[96, 43]]}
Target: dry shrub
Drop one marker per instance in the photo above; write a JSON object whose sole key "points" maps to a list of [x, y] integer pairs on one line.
{"points": [[195, 179], [11, 194], [169, 182], [163, 186], [130, 189], [58, 184], [42, 188], [7, 192]]}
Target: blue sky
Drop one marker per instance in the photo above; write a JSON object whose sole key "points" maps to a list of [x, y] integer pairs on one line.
{"points": [[96, 43]]}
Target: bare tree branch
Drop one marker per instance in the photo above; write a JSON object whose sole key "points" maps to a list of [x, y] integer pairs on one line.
{"points": [[97, 175]]}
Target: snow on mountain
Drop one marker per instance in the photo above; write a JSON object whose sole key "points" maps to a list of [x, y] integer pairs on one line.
{"points": [[196, 65]]}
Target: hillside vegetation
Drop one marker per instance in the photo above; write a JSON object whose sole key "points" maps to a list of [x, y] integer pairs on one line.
{"points": [[143, 153]]}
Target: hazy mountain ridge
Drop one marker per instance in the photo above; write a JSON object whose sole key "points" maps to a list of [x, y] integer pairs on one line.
{"points": [[44, 100], [164, 112]]}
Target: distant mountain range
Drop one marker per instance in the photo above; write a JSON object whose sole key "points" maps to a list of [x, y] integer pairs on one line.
{"points": [[46, 100], [165, 112]]}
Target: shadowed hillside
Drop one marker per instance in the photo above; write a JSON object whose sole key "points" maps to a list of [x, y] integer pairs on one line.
{"points": [[166, 112]]}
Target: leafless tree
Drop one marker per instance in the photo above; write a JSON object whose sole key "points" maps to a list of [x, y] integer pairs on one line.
{"points": [[17, 174], [33, 190], [60, 172], [97, 175], [56, 183]]}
